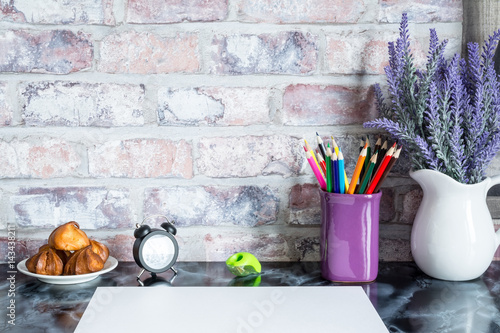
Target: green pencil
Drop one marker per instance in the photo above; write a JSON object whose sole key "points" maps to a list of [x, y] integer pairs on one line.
{"points": [[367, 175], [328, 163]]}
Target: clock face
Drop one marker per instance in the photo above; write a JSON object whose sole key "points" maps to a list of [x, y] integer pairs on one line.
{"points": [[158, 251]]}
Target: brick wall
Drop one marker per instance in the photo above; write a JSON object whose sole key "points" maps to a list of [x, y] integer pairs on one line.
{"points": [[114, 110]]}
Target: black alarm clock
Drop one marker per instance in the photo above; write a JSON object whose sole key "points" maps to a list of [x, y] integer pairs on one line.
{"points": [[155, 250]]}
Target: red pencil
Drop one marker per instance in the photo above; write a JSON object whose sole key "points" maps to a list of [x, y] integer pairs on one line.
{"points": [[380, 171], [321, 162], [388, 168]]}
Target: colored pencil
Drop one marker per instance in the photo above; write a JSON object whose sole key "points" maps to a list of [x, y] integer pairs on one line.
{"points": [[381, 155], [335, 171], [329, 184], [332, 176], [393, 160], [380, 171], [361, 144], [321, 162], [314, 167], [312, 153], [368, 157], [357, 171], [367, 175], [341, 172], [346, 181], [321, 145], [378, 144]]}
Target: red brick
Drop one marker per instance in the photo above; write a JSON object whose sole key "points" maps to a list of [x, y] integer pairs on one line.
{"points": [[161, 11], [5, 106], [149, 53], [242, 205], [91, 207], [358, 52], [421, 10], [305, 204], [57, 51], [365, 51], [141, 158], [35, 158], [394, 250], [305, 11], [266, 247], [308, 248], [410, 204], [213, 105], [59, 12], [200, 245], [289, 52], [120, 245], [24, 247], [387, 209], [249, 156], [327, 105], [65, 103]]}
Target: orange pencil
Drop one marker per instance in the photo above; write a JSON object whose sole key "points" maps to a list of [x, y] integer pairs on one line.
{"points": [[380, 171], [357, 171]]}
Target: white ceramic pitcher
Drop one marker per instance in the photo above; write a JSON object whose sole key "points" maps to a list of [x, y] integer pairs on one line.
{"points": [[453, 237]]}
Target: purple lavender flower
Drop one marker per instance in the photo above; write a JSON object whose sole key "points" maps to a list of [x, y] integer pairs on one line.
{"points": [[447, 115]]}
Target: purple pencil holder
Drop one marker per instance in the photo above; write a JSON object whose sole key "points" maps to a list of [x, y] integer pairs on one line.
{"points": [[349, 236]]}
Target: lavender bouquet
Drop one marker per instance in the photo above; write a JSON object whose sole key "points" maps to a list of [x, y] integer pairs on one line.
{"points": [[447, 115]]}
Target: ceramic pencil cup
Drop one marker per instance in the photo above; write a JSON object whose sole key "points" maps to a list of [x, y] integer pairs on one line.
{"points": [[349, 236]]}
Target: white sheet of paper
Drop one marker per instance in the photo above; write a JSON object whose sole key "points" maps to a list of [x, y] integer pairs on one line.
{"points": [[336, 309]]}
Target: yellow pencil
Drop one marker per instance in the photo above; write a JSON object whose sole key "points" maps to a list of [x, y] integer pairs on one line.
{"points": [[314, 157], [346, 182], [357, 170]]}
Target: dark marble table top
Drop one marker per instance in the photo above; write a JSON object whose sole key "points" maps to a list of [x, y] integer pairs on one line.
{"points": [[406, 299]]}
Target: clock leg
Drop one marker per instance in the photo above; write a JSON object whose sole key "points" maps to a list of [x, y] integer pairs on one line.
{"points": [[139, 276]]}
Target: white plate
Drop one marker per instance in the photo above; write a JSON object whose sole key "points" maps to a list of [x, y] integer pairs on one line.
{"points": [[110, 264]]}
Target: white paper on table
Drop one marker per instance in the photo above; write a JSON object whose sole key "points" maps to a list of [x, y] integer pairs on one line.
{"points": [[336, 309]]}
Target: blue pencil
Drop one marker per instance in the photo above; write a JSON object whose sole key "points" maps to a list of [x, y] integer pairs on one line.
{"points": [[341, 172], [335, 173]]}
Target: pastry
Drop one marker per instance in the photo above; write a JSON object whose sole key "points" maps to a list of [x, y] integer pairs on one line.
{"points": [[68, 237], [100, 249], [83, 261], [45, 262], [64, 255]]}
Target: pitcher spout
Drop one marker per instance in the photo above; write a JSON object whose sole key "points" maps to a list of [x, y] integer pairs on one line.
{"points": [[432, 181]]}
